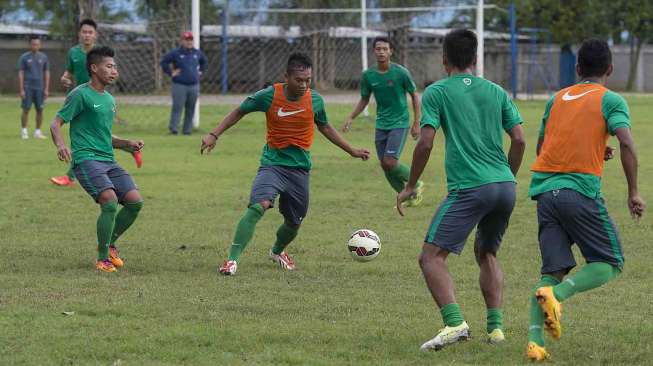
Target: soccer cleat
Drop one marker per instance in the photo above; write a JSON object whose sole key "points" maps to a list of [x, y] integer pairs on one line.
{"points": [[62, 181], [496, 336], [536, 353], [283, 260], [115, 257], [39, 135], [552, 310], [105, 265], [419, 191], [228, 268], [138, 158], [447, 336]]}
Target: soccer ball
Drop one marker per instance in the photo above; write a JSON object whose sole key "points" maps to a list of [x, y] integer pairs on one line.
{"points": [[364, 245]]}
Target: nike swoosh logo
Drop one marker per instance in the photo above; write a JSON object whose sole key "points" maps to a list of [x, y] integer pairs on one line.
{"points": [[96, 105], [567, 97], [281, 113]]}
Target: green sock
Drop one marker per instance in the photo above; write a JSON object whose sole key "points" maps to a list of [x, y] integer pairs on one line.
{"points": [[245, 230], [398, 176], [125, 218], [451, 315], [285, 235], [592, 275], [494, 319], [105, 223], [71, 173], [536, 317]]}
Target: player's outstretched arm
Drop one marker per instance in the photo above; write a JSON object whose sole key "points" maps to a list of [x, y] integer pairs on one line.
{"points": [[127, 145], [62, 150], [362, 103], [421, 156], [517, 148], [209, 141], [415, 129], [332, 135], [636, 204]]}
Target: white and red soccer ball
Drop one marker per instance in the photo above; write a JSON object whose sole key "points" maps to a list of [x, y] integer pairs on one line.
{"points": [[364, 245]]}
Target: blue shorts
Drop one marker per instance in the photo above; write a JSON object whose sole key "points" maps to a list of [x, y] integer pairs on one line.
{"points": [[390, 142], [566, 217], [97, 176], [291, 184], [488, 207], [33, 96]]}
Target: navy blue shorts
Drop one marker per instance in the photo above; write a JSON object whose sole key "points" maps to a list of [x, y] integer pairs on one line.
{"points": [[390, 142], [566, 217], [33, 96], [488, 206], [291, 184], [98, 176]]}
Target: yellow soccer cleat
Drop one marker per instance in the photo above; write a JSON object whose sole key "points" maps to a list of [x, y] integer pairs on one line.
{"points": [[552, 310], [496, 336], [419, 191], [536, 353], [105, 265], [115, 257]]}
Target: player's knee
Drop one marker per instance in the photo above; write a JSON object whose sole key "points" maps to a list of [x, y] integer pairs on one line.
{"points": [[107, 196], [291, 224], [265, 204], [388, 163]]}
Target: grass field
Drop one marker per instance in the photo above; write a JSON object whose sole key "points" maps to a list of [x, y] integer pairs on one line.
{"points": [[168, 306]]}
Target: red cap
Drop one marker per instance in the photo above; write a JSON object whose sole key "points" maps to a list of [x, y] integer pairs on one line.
{"points": [[187, 35]]}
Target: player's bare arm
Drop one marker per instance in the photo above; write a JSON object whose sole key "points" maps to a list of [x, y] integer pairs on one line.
{"points": [[209, 141], [421, 156], [332, 135], [415, 129], [46, 90], [517, 148], [128, 145], [636, 204], [362, 103], [21, 84], [63, 153]]}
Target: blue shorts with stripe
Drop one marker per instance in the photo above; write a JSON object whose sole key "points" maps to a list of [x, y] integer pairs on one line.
{"points": [[487, 207], [390, 142], [97, 176], [290, 184], [565, 217]]}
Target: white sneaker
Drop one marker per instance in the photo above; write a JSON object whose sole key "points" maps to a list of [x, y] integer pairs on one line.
{"points": [[24, 135], [39, 135], [447, 336], [283, 260]]}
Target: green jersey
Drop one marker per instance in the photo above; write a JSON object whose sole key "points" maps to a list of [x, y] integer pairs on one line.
{"points": [[291, 156], [473, 113], [76, 64], [616, 115], [90, 115], [389, 90]]}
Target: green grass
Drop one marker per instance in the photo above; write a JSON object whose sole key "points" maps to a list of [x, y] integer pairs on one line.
{"points": [[169, 307]]}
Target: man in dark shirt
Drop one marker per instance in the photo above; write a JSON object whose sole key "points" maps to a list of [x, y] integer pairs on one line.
{"points": [[33, 84], [188, 64]]}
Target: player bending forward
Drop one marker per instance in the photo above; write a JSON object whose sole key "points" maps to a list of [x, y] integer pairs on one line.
{"points": [[291, 109]]}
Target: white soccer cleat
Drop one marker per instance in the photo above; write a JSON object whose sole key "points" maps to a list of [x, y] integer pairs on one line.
{"points": [[39, 135], [24, 135], [283, 260], [228, 268], [447, 336]]}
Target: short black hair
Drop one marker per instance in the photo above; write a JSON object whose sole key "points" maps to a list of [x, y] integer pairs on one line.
{"points": [[33, 37], [381, 39], [594, 58], [96, 55], [298, 62], [88, 21], [460, 48]]}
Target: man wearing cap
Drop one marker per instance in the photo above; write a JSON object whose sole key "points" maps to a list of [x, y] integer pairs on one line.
{"points": [[188, 64]]}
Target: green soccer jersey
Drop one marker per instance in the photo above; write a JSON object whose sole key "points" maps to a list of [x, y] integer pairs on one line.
{"points": [[473, 113], [615, 112], [90, 115], [291, 156], [76, 64], [389, 90]]}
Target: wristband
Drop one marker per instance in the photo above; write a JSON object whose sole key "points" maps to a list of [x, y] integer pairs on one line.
{"points": [[214, 135]]}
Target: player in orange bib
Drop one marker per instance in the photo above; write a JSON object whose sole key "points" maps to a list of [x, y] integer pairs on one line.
{"points": [[291, 110], [566, 183]]}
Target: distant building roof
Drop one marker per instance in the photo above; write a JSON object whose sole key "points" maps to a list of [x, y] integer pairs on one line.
{"points": [[20, 29]]}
